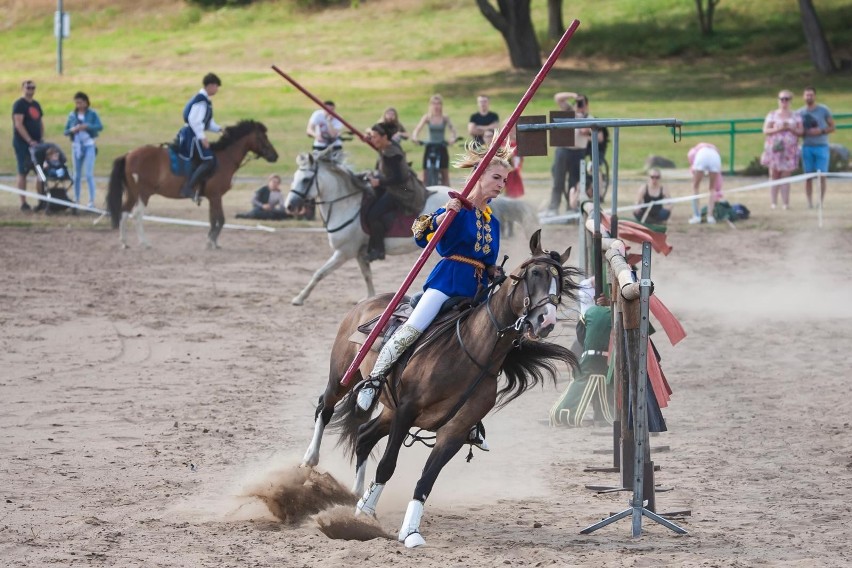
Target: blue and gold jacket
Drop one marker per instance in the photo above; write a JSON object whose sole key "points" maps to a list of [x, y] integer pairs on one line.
{"points": [[469, 246]]}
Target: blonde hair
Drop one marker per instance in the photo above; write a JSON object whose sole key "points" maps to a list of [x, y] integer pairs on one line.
{"points": [[434, 99], [474, 152]]}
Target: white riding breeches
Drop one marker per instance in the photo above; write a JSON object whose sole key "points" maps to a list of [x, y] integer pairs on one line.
{"points": [[426, 309], [707, 160]]}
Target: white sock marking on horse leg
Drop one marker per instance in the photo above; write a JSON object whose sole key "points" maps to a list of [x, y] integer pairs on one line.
{"points": [[311, 458], [138, 213], [410, 531], [122, 228], [360, 477], [368, 503]]}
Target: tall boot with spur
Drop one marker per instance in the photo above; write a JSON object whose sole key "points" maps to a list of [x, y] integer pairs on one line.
{"points": [[404, 338]]}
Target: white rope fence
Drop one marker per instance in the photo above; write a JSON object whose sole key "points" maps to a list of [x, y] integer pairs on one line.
{"points": [[156, 218], [751, 187]]}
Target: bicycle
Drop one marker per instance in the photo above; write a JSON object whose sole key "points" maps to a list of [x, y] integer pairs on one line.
{"points": [[432, 161]]}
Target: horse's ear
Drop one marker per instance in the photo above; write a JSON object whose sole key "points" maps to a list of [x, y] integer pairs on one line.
{"points": [[563, 258], [535, 243]]}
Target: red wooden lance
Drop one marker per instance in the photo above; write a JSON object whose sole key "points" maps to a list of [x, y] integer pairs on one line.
{"points": [[477, 173], [330, 111]]}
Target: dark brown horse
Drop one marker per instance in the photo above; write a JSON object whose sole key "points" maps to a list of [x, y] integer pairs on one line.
{"points": [[146, 171], [452, 382]]}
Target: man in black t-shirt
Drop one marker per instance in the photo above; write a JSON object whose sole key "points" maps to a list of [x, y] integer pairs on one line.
{"points": [[482, 120], [28, 130]]}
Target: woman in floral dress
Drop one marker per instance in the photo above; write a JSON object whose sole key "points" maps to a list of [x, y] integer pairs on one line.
{"points": [[782, 128]]}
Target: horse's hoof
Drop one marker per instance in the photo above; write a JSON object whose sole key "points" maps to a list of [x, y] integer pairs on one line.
{"points": [[124, 246], [310, 461], [297, 301], [145, 245], [414, 540]]}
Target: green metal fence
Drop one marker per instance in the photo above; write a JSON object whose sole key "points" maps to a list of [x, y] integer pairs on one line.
{"points": [[734, 127]]}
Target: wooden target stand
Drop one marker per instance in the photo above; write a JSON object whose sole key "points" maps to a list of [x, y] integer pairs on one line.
{"points": [[631, 446]]}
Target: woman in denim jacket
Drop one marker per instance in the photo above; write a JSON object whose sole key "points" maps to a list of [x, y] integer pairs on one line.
{"points": [[83, 126]]}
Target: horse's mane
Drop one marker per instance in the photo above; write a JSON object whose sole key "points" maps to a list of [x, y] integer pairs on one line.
{"points": [[233, 133], [528, 365], [336, 160]]}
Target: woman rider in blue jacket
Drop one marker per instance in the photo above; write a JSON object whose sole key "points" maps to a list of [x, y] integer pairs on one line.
{"points": [[469, 249]]}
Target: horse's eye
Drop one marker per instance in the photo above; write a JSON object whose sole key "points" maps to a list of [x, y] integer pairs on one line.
{"points": [[536, 272]]}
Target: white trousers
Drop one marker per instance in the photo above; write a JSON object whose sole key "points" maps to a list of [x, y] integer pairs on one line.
{"points": [[427, 308]]}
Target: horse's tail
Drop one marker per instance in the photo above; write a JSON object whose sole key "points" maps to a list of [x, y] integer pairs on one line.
{"points": [[116, 190], [348, 419], [528, 365]]}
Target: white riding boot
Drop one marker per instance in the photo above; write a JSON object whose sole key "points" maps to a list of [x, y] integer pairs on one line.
{"points": [[410, 531], [368, 503], [401, 340]]}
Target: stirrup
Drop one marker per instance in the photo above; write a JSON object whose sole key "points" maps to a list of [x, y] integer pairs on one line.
{"points": [[476, 437], [367, 392]]}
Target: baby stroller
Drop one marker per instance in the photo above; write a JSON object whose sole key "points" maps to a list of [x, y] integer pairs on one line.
{"points": [[51, 167]]}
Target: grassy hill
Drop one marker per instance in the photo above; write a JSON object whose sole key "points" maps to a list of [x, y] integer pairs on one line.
{"points": [[140, 61]]}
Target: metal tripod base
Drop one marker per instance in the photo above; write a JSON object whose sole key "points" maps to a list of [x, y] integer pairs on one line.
{"points": [[636, 513]]}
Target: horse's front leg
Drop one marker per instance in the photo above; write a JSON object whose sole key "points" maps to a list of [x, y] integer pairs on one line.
{"points": [[322, 417], [337, 259], [366, 272], [217, 220], [448, 444]]}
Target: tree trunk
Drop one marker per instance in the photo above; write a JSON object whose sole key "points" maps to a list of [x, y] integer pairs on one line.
{"points": [[817, 44], [514, 23], [555, 26], [705, 15]]}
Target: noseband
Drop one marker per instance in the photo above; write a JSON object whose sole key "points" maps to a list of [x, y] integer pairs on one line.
{"points": [[554, 268]]}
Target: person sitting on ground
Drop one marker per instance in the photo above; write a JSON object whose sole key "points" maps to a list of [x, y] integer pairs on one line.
{"points": [[648, 193], [469, 251], [397, 188], [267, 202]]}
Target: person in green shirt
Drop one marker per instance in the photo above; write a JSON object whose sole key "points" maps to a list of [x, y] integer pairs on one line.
{"points": [[590, 385]]}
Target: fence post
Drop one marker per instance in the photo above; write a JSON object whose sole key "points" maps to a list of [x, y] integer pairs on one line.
{"points": [[733, 146]]}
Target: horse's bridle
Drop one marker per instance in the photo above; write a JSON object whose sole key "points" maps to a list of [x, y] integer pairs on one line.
{"points": [[555, 269], [325, 219]]}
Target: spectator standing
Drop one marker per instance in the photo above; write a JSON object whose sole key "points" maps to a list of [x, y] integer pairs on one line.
{"points": [[83, 126], [324, 128], [482, 120], [705, 160], [390, 116], [28, 130], [782, 128], [567, 160], [514, 182], [817, 123], [437, 123], [652, 191]]}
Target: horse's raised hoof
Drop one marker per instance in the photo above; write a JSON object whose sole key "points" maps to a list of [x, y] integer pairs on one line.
{"points": [[310, 460], [297, 301], [414, 540]]}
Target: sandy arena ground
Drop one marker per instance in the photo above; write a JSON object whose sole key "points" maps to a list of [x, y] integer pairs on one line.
{"points": [[144, 390]]}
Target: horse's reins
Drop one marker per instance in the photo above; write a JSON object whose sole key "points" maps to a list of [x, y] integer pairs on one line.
{"points": [[557, 272], [330, 203]]}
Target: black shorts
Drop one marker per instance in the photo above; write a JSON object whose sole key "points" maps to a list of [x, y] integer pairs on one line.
{"points": [[441, 151], [22, 153]]}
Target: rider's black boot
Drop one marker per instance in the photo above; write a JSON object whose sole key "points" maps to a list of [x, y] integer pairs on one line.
{"points": [[199, 174]]}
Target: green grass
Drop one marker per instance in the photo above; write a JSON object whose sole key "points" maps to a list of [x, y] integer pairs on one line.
{"points": [[634, 59]]}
